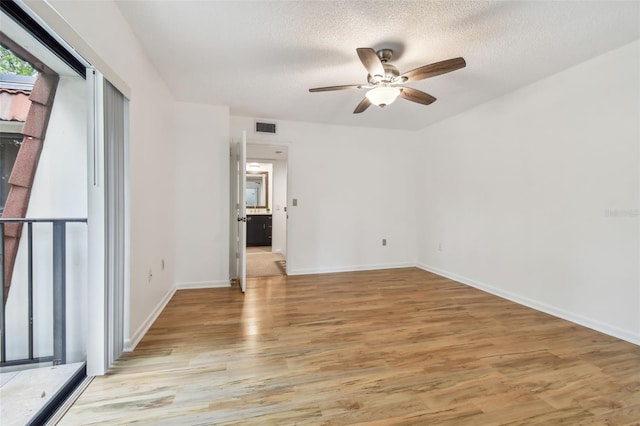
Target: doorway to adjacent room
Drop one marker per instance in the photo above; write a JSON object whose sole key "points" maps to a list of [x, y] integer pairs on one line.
{"points": [[266, 204]]}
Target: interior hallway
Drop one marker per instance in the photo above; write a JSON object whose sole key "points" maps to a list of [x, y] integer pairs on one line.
{"points": [[262, 262], [395, 346]]}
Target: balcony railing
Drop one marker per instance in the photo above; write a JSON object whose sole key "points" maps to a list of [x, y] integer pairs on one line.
{"points": [[58, 282]]}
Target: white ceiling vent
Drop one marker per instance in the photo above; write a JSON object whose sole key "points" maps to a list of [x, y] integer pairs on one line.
{"points": [[263, 127]]}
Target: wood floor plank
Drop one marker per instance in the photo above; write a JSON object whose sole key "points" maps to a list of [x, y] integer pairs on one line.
{"points": [[399, 346]]}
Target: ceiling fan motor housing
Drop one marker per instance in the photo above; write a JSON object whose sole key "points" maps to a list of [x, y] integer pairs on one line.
{"points": [[390, 73]]}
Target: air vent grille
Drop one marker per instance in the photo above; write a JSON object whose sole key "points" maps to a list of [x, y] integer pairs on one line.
{"points": [[262, 127]]}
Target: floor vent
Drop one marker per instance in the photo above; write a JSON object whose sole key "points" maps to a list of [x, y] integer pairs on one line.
{"points": [[262, 127]]}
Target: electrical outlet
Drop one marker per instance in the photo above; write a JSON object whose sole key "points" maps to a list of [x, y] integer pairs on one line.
{"points": [[384, 241], [150, 275]]}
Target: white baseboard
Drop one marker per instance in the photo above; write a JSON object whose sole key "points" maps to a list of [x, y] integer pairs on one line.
{"points": [[202, 284], [539, 306], [330, 270], [131, 343]]}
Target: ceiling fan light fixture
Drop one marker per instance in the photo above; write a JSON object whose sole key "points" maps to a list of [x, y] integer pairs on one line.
{"points": [[383, 96]]}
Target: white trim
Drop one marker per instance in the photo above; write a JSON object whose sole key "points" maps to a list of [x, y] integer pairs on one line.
{"points": [[16, 32], [131, 343], [202, 284], [96, 288], [28, 10], [355, 268], [51, 18], [71, 399], [608, 329], [127, 229], [268, 142]]}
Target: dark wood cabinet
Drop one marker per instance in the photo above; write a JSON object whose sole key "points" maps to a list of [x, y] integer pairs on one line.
{"points": [[258, 230]]}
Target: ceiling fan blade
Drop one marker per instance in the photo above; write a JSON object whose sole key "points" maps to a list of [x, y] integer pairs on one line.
{"points": [[329, 88], [417, 96], [362, 106], [370, 60], [433, 70]]}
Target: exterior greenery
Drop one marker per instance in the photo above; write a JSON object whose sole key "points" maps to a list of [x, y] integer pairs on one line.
{"points": [[11, 64]]}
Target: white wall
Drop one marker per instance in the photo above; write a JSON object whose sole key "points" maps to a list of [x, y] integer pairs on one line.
{"points": [[152, 151], [59, 191], [353, 189], [519, 194], [202, 197]]}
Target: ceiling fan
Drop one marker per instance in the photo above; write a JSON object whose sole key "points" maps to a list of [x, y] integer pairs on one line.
{"points": [[386, 82]]}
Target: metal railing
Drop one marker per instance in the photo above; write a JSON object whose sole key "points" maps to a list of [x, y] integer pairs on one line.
{"points": [[59, 290]]}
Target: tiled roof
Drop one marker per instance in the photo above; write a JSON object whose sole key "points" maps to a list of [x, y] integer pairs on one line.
{"points": [[14, 106], [14, 97]]}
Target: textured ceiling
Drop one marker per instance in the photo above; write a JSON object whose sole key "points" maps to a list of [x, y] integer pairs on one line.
{"points": [[267, 152], [261, 57]]}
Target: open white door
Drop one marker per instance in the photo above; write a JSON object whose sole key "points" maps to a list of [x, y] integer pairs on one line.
{"points": [[238, 267]]}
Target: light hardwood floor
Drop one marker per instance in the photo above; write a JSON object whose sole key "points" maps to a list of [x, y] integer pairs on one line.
{"points": [[383, 347]]}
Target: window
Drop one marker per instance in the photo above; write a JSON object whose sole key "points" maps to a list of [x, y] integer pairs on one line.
{"points": [[17, 77], [9, 146]]}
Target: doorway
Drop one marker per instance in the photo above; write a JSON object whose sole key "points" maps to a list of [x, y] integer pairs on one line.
{"points": [[266, 172]]}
